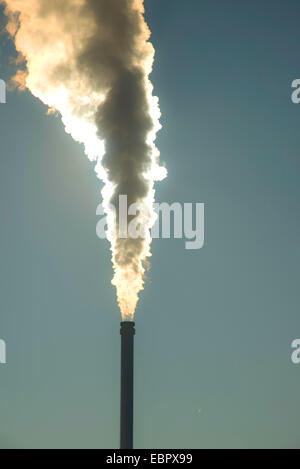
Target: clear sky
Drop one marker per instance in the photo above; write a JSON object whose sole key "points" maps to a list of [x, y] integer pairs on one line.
{"points": [[214, 326]]}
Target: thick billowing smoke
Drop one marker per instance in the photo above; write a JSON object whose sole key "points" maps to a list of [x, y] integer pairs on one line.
{"points": [[90, 61]]}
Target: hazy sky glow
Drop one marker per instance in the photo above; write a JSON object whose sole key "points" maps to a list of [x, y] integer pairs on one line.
{"points": [[214, 326]]}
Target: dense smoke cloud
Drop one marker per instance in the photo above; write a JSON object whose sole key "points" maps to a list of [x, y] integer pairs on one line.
{"points": [[90, 60]]}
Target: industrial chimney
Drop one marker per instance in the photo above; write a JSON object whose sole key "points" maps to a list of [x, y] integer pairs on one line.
{"points": [[126, 428]]}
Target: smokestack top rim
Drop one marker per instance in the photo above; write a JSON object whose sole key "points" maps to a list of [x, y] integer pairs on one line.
{"points": [[127, 327]]}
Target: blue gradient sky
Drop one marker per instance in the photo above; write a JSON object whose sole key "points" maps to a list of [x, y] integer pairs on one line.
{"points": [[214, 326]]}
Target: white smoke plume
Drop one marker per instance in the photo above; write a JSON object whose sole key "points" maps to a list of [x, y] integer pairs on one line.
{"points": [[90, 61]]}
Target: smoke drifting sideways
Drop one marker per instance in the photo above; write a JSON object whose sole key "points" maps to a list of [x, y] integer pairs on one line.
{"points": [[90, 61]]}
